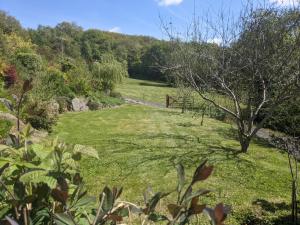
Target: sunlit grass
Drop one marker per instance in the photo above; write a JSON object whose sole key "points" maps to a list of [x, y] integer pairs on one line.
{"points": [[138, 147]]}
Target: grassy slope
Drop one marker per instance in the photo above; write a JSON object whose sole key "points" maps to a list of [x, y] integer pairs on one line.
{"points": [[145, 90], [138, 145], [156, 92]]}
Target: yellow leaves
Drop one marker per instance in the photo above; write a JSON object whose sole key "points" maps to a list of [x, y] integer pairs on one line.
{"points": [[15, 43], [2, 67]]}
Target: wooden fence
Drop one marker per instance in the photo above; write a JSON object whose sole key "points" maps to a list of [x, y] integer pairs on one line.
{"points": [[184, 103]]}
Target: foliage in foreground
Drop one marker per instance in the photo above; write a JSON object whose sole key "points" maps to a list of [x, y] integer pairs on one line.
{"points": [[42, 185]]}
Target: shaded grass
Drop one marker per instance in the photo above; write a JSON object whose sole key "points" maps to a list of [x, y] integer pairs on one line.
{"points": [[138, 146]]}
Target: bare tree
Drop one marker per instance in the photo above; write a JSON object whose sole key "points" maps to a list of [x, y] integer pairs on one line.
{"points": [[292, 146], [255, 63]]}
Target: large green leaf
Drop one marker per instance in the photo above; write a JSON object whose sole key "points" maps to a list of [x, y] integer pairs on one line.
{"points": [[38, 176], [181, 177], [63, 219], [86, 150], [85, 201], [108, 201], [3, 147]]}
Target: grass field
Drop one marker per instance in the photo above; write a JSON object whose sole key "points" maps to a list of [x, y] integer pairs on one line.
{"points": [[145, 90], [138, 146], [156, 93]]}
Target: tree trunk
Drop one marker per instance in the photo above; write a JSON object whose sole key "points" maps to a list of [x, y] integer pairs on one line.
{"points": [[244, 142]]}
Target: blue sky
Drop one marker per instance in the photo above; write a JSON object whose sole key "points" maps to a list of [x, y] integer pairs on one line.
{"points": [[125, 16]]}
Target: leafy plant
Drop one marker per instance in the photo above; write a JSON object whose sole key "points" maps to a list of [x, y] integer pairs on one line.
{"points": [[36, 181], [187, 205]]}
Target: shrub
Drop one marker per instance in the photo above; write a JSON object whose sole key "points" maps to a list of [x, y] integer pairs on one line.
{"points": [[5, 127], [39, 115], [94, 105], [108, 73], [52, 85], [115, 94], [28, 64], [10, 76]]}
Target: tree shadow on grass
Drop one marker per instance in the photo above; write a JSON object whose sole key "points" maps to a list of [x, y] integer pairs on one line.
{"points": [[282, 209], [271, 206], [185, 149], [154, 84]]}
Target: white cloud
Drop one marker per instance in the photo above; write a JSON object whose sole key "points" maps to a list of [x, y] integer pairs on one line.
{"points": [[217, 41], [285, 2], [169, 2], [115, 30]]}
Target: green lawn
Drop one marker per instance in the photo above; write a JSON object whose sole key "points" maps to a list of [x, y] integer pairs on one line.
{"points": [[145, 90], [138, 146], [156, 92]]}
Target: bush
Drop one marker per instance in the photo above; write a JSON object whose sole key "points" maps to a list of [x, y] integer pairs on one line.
{"points": [[10, 76], [216, 113], [94, 105], [53, 84], [286, 118], [5, 127], [40, 116], [28, 64], [115, 94]]}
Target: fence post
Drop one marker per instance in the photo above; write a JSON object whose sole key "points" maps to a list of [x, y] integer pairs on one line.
{"points": [[167, 101]]}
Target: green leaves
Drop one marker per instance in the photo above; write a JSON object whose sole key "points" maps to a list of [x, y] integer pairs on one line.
{"points": [[192, 195], [85, 150], [150, 206], [108, 198], [38, 176], [6, 165], [63, 219], [181, 177]]}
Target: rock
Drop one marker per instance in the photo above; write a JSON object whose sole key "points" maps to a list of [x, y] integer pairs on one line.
{"points": [[7, 104], [80, 104], [11, 118], [65, 104]]}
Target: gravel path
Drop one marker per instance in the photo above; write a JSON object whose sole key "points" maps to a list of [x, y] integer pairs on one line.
{"points": [[142, 102]]}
